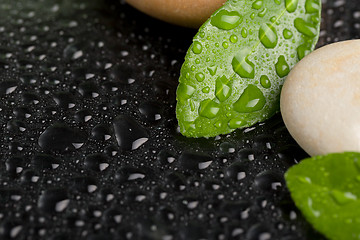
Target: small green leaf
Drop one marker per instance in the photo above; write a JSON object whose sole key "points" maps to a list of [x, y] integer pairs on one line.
{"points": [[234, 70], [327, 191]]}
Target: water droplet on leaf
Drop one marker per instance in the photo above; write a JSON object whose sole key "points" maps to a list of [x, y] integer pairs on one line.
{"points": [[222, 89], [199, 77], [343, 198], [251, 100], [242, 66], [226, 19], [268, 35], [197, 47], [282, 68], [209, 108], [305, 28], [257, 4], [265, 81], [185, 91], [291, 5], [287, 33]]}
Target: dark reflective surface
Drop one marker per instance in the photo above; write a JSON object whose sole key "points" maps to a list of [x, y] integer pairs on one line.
{"points": [[90, 147]]}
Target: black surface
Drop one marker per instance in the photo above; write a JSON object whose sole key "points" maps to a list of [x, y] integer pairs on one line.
{"points": [[90, 147]]}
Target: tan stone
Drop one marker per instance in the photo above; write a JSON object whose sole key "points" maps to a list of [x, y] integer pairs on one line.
{"points": [[320, 100], [188, 13]]}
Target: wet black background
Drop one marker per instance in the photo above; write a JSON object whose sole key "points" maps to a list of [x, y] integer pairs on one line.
{"points": [[75, 77]]}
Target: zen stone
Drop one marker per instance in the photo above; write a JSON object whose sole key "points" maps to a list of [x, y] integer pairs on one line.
{"points": [[187, 13], [320, 100]]}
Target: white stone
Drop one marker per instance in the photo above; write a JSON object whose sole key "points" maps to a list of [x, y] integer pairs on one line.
{"points": [[320, 100]]}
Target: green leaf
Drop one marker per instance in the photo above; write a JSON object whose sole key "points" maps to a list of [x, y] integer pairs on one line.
{"points": [[234, 70], [327, 191]]}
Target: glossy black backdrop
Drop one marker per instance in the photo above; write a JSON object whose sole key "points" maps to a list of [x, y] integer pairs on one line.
{"points": [[89, 141]]}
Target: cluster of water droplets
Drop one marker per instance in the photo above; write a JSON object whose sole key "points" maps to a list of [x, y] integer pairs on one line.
{"points": [[282, 37], [90, 145]]}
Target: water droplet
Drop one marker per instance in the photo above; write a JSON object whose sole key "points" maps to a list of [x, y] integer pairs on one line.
{"points": [[304, 27], [306, 180], [192, 105], [268, 36], [287, 33], [185, 91], [83, 184], [166, 157], [111, 150], [227, 147], [258, 232], [29, 177], [151, 111], [244, 32], [64, 100], [251, 100], [28, 78], [257, 4], [236, 209], [265, 81], [177, 180], [209, 108], [269, 181], [343, 198], [303, 50], [130, 135], [226, 19], [218, 124], [195, 160], [88, 89], [122, 74], [45, 161], [337, 24], [22, 113], [11, 229], [166, 214], [222, 89], [262, 13], [14, 165], [252, 15], [291, 5], [206, 90], [225, 45], [83, 116], [60, 137], [7, 87], [111, 217], [197, 47], [96, 162], [242, 66], [233, 38], [312, 6], [278, 2], [130, 174], [212, 70], [199, 77], [236, 123], [53, 200], [282, 68], [101, 132], [16, 126]]}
